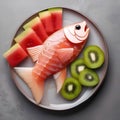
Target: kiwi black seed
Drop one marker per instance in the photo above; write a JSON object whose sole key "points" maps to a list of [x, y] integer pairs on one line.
{"points": [[76, 67], [93, 56], [71, 88], [88, 78]]}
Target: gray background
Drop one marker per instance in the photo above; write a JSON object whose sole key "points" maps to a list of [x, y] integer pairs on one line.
{"points": [[105, 105]]}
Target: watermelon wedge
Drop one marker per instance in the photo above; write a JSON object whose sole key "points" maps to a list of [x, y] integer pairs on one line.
{"points": [[28, 38], [15, 55], [46, 19], [56, 18], [38, 27]]}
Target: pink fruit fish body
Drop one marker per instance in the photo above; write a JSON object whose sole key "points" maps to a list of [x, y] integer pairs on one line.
{"points": [[52, 58]]}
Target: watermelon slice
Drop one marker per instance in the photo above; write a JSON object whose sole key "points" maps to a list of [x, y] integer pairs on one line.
{"points": [[56, 18], [28, 38], [46, 19], [38, 27], [15, 55]]}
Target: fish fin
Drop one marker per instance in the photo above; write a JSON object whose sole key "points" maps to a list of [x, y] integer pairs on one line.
{"points": [[65, 54], [34, 52], [60, 78], [36, 88]]}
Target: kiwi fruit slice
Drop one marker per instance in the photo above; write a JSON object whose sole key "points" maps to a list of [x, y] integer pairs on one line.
{"points": [[76, 67], [93, 56], [71, 88], [88, 78]]}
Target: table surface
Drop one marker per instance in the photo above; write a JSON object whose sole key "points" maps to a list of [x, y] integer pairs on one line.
{"points": [[105, 104]]}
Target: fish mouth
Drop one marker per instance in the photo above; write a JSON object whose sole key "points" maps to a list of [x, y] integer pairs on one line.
{"points": [[86, 28]]}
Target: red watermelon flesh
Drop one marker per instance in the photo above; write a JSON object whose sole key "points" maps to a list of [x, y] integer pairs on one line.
{"points": [[28, 38], [56, 18], [38, 27], [15, 55], [46, 19]]}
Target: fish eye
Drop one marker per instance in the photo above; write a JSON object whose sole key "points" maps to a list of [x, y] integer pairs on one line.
{"points": [[77, 27]]}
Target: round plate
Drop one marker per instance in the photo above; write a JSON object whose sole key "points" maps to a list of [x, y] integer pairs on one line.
{"points": [[51, 100]]}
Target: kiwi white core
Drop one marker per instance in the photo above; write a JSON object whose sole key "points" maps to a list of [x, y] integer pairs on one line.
{"points": [[89, 77], [81, 68], [70, 87], [93, 56]]}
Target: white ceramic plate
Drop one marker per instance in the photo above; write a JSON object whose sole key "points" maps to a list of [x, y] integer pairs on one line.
{"points": [[51, 100]]}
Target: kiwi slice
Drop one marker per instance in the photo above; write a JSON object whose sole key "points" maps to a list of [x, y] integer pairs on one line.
{"points": [[71, 88], [76, 67], [93, 56], [88, 78]]}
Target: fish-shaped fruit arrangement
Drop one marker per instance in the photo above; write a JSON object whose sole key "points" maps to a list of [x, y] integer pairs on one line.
{"points": [[52, 58]]}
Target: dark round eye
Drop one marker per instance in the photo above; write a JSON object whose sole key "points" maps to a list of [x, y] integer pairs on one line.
{"points": [[77, 27]]}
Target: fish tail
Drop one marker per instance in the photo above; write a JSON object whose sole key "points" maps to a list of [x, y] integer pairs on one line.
{"points": [[36, 87]]}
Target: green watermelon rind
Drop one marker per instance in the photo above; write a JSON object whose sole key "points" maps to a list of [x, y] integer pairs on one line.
{"points": [[23, 34], [57, 9], [11, 50], [44, 13], [32, 22]]}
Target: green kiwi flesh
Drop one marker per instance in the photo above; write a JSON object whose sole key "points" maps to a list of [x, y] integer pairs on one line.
{"points": [[93, 56], [76, 67], [88, 78], [71, 88]]}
